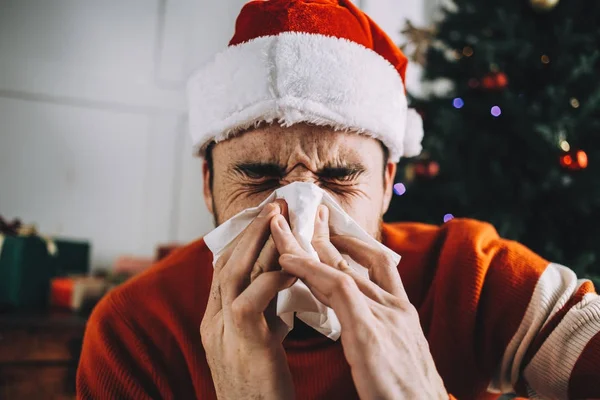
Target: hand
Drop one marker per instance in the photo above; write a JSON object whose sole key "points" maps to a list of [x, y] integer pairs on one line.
{"points": [[382, 339], [240, 333]]}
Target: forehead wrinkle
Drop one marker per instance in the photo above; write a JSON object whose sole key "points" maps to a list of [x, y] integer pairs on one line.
{"points": [[312, 146]]}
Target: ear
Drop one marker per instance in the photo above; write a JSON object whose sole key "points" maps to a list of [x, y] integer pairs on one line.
{"points": [[388, 184], [207, 187]]}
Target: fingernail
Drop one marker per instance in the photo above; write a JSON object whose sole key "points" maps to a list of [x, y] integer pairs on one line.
{"points": [[283, 225], [323, 213]]}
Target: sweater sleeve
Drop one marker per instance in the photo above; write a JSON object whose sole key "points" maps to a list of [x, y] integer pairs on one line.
{"points": [[531, 323], [500, 318], [555, 351], [115, 362]]}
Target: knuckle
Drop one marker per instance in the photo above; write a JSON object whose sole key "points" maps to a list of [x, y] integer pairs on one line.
{"points": [[366, 335], [206, 332], [240, 309], [257, 271], [260, 266], [342, 265], [320, 239], [388, 261], [203, 327], [344, 284], [268, 212]]}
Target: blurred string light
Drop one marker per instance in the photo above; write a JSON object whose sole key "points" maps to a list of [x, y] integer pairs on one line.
{"points": [[458, 103], [574, 102], [574, 160], [468, 51], [496, 111], [565, 146], [399, 189], [545, 59], [448, 217]]}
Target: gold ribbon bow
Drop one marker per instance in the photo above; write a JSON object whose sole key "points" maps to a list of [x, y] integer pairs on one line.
{"points": [[31, 230]]}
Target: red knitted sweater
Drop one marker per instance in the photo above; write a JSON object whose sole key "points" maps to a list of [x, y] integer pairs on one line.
{"points": [[497, 318]]}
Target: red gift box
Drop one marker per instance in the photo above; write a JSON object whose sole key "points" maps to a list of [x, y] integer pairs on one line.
{"points": [[72, 292]]}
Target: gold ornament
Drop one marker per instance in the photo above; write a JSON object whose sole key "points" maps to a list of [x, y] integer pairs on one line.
{"points": [[543, 5], [419, 40]]}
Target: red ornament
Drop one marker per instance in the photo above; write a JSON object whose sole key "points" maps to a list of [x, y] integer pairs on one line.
{"points": [[494, 81], [574, 160], [488, 82], [501, 80], [426, 169]]}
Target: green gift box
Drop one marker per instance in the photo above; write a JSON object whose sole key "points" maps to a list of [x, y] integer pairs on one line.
{"points": [[27, 263], [73, 257]]}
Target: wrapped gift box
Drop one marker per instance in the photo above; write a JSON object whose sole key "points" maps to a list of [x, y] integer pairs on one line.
{"points": [[72, 257], [73, 292], [25, 272], [27, 263]]}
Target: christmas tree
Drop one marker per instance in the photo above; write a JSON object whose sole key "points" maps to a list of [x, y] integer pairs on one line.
{"points": [[515, 138]]}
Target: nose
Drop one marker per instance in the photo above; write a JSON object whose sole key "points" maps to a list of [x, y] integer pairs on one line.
{"points": [[299, 174]]}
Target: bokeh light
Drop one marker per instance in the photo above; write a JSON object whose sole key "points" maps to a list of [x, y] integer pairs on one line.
{"points": [[399, 189], [448, 217], [574, 103], [458, 103], [496, 111]]}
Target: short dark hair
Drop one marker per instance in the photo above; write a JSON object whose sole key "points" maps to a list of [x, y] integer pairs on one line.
{"points": [[209, 159]]}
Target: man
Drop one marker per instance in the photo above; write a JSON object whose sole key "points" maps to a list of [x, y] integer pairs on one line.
{"points": [[312, 91]]}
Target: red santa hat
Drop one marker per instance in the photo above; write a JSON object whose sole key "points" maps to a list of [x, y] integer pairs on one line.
{"points": [[323, 62]]}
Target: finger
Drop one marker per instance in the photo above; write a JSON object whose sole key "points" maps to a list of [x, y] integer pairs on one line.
{"points": [[222, 261], [283, 237], [331, 287], [268, 260], [250, 305], [235, 275], [224, 257], [382, 268], [327, 252], [214, 305]]}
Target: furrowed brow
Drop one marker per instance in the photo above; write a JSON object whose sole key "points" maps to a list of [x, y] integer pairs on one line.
{"points": [[259, 169], [341, 171]]}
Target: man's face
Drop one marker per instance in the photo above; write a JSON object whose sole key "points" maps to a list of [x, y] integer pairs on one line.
{"points": [[249, 167]]}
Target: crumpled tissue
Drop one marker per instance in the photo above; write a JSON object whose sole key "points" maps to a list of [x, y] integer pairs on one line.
{"points": [[303, 199]]}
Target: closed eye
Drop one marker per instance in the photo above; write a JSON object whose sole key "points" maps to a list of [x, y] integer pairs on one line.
{"points": [[342, 174], [260, 170], [271, 172]]}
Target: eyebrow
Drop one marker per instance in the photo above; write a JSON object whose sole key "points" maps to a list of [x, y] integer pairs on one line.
{"points": [[274, 170]]}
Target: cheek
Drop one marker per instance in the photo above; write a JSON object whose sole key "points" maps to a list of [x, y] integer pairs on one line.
{"points": [[231, 198], [365, 206], [366, 212]]}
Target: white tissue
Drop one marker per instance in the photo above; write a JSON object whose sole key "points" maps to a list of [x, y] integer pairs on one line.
{"points": [[303, 200]]}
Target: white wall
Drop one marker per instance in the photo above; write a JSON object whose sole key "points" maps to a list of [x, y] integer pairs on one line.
{"points": [[93, 140]]}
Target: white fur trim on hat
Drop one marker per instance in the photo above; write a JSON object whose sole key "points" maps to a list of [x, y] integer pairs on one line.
{"points": [[299, 77]]}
